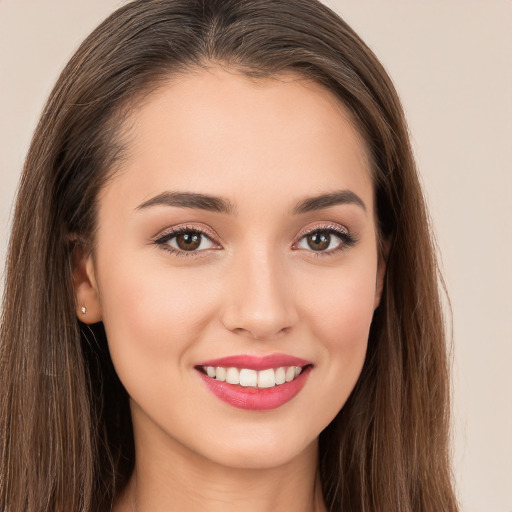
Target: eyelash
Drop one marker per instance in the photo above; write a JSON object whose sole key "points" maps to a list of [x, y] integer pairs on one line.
{"points": [[173, 233], [347, 240]]}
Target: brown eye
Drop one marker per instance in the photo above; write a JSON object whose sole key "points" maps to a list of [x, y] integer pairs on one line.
{"points": [[319, 240], [326, 240], [189, 241]]}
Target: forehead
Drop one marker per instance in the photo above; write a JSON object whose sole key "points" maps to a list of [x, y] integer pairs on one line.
{"points": [[219, 132]]}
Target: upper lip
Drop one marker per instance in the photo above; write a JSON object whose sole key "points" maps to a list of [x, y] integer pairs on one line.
{"points": [[256, 362]]}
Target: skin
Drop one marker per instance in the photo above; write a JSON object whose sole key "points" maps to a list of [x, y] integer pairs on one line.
{"points": [[256, 288]]}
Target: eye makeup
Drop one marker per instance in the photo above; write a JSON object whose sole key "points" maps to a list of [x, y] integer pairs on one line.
{"points": [[325, 240], [187, 241], [319, 240]]}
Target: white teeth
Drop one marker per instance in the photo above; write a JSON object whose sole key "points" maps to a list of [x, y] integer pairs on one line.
{"points": [[232, 376], [220, 373], [247, 377], [266, 378], [280, 376]]}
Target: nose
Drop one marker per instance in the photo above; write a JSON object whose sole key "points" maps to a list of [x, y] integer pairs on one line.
{"points": [[259, 302]]}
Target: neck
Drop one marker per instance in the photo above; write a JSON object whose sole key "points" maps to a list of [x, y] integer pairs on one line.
{"points": [[177, 479]]}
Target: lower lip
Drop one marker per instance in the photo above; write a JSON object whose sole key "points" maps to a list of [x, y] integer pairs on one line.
{"points": [[256, 399]]}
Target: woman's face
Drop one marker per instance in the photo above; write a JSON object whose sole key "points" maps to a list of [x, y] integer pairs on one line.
{"points": [[238, 241]]}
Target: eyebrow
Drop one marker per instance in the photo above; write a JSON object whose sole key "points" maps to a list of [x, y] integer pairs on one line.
{"points": [[191, 200], [207, 202], [327, 200]]}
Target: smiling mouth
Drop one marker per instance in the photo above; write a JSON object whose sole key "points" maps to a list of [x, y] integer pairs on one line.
{"points": [[268, 383], [250, 378]]}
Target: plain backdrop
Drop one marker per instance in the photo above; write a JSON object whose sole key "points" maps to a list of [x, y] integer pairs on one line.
{"points": [[451, 61]]}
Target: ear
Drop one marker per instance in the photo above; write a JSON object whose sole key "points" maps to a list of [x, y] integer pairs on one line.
{"points": [[88, 306], [381, 271]]}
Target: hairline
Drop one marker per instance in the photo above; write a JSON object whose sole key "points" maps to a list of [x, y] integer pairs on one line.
{"points": [[123, 120]]}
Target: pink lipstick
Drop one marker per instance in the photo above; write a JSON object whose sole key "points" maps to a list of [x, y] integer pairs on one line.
{"points": [[255, 383]]}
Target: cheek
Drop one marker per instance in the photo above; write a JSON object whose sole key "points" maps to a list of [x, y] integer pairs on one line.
{"points": [[349, 315], [152, 315], [340, 311], [343, 305]]}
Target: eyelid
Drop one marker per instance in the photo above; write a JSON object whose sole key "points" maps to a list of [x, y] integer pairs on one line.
{"points": [[201, 228], [164, 236], [322, 226], [347, 239]]}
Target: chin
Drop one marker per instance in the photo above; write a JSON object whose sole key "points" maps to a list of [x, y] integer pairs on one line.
{"points": [[265, 454], [259, 445]]}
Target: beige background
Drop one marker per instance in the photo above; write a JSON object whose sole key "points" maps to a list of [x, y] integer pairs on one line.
{"points": [[452, 63]]}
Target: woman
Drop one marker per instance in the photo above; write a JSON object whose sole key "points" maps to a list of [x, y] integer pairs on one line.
{"points": [[221, 288]]}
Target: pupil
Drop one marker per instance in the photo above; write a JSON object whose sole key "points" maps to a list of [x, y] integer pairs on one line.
{"points": [[319, 241], [188, 241]]}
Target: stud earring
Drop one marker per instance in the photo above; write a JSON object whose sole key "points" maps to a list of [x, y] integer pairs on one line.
{"points": [[83, 309]]}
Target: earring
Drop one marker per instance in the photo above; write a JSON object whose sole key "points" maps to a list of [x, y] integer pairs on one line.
{"points": [[83, 309]]}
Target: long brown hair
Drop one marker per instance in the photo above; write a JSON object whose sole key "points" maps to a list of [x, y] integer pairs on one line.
{"points": [[66, 440]]}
